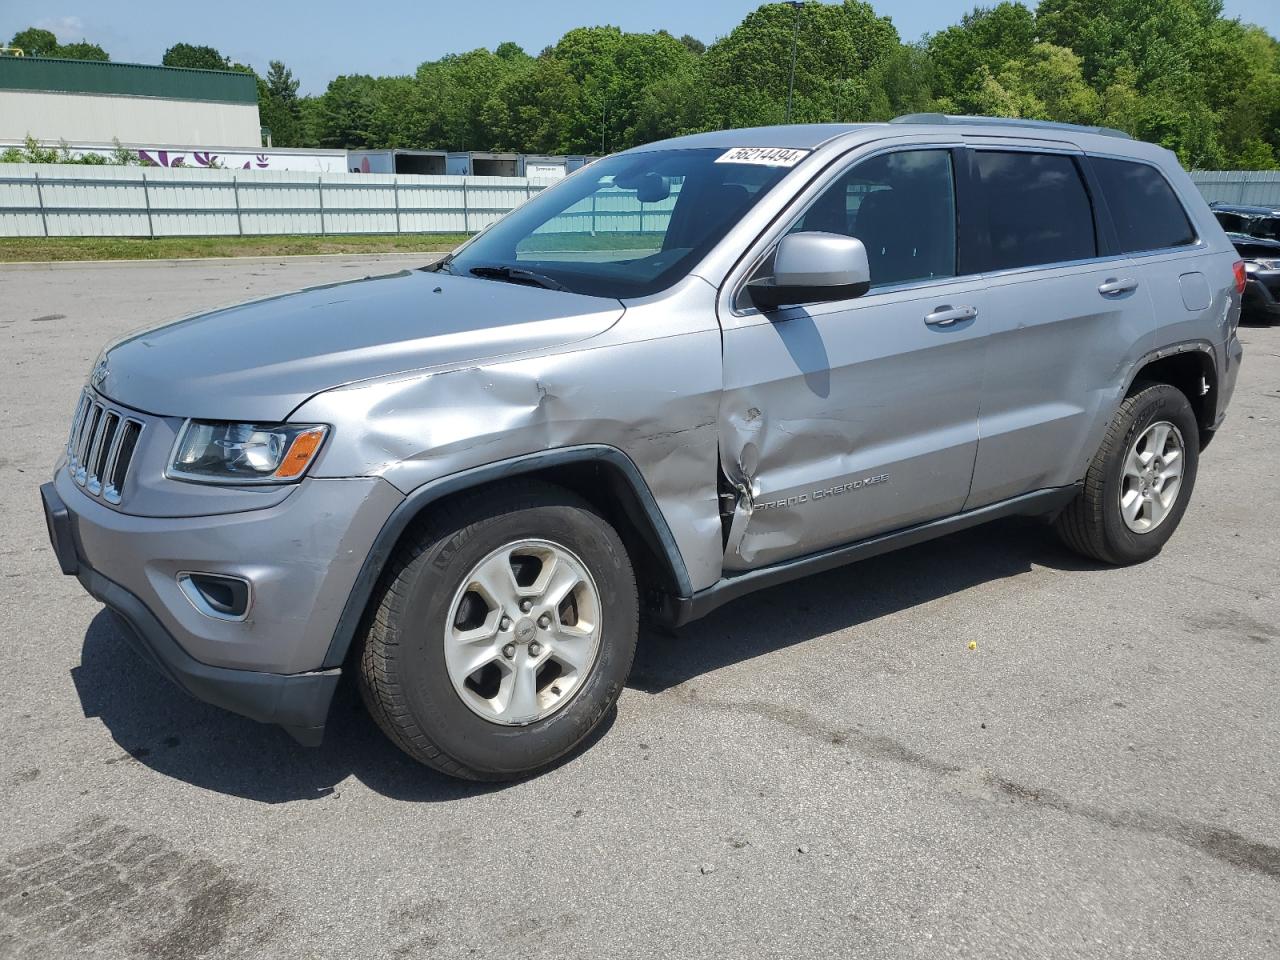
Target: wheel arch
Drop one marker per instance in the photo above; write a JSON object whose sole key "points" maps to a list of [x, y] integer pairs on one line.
{"points": [[603, 475], [1192, 368]]}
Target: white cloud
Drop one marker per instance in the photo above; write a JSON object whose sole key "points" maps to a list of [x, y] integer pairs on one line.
{"points": [[66, 29]]}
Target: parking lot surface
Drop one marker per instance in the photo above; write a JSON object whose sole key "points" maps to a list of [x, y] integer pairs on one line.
{"points": [[825, 769]]}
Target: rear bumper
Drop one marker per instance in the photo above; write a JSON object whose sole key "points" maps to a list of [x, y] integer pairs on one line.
{"points": [[1232, 353], [299, 701]]}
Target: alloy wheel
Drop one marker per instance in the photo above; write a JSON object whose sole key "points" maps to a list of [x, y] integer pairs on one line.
{"points": [[1152, 477], [523, 632]]}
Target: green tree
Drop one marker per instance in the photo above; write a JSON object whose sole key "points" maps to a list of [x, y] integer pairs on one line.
{"points": [[1168, 113], [1171, 71], [278, 105], [1159, 39], [531, 108], [510, 51], [280, 82], [352, 115], [901, 83], [308, 130], [1045, 84], [1241, 81], [447, 108], [693, 45], [654, 89], [966, 56], [838, 48], [83, 50], [34, 42], [195, 57]]}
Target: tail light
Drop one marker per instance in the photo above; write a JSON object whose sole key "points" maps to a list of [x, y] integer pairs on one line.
{"points": [[1238, 267]]}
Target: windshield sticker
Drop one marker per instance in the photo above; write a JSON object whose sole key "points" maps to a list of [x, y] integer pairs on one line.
{"points": [[763, 156]]}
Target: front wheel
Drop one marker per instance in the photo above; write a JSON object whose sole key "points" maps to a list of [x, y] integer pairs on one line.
{"points": [[1139, 483], [503, 634]]}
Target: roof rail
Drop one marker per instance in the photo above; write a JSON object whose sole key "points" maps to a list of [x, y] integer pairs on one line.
{"points": [[1008, 122]]}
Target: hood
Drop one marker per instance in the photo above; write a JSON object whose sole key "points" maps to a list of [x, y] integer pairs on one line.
{"points": [[259, 360]]}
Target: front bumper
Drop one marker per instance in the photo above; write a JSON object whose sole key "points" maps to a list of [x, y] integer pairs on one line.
{"points": [[302, 557], [1261, 301]]}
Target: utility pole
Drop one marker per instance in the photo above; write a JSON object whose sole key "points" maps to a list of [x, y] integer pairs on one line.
{"points": [[795, 36], [604, 124]]}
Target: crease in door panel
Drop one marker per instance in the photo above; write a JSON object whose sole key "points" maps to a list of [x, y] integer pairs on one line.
{"points": [[739, 465]]}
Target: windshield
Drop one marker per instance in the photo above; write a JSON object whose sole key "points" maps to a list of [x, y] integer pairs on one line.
{"points": [[626, 226]]}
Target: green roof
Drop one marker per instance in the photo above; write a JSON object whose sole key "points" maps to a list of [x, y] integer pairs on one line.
{"points": [[53, 75]]}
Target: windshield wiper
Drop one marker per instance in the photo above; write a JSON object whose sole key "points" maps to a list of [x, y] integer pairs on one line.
{"points": [[517, 275]]}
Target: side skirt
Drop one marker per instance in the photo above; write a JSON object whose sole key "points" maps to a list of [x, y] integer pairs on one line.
{"points": [[682, 610]]}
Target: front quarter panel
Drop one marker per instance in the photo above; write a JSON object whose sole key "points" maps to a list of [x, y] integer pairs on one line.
{"points": [[649, 387]]}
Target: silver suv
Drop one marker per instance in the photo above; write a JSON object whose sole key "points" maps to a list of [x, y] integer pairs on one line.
{"points": [[690, 370]]}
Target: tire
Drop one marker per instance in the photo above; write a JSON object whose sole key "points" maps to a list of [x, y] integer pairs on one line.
{"points": [[1094, 523], [412, 685]]}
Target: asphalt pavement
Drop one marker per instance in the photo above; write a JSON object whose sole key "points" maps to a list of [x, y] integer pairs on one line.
{"points": [[825, 769]]}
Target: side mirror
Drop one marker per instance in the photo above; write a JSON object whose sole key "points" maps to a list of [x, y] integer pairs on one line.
{"points": [[813, 268]]}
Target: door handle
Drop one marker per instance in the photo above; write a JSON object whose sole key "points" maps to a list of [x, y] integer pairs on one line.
{"points": [[1115, 287], [947, 315]]}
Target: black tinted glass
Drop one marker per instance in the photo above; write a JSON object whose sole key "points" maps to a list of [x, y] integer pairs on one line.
{"points": [[1037, 209], [1146, 213], [1232, 222], [902, 207], [1266, 227]]}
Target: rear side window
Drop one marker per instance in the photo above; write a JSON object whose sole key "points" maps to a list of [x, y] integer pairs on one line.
{"points": [[1144, 208], [1037, 209]]}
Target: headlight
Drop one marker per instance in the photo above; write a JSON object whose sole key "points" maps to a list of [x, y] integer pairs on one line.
{"points": [[212, 451], [1265, 264]]}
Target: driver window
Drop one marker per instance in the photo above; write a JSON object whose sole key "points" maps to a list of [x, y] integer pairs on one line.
{"points": [[902, 207]]}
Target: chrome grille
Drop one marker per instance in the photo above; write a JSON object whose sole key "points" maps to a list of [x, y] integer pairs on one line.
{"points": [[100, 447]]}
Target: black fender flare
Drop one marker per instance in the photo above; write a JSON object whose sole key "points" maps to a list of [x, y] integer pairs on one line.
{"points": [[413, 504], [1199, 346], [1210, 369]]}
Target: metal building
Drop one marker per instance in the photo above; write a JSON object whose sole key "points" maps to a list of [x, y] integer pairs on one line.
{"points": [[86, 101]]}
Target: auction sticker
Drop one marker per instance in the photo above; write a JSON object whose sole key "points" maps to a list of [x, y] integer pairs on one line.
{"points": [[763, 156]]}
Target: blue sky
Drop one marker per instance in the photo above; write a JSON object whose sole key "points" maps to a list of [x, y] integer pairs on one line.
{"points": [[319, 39]]}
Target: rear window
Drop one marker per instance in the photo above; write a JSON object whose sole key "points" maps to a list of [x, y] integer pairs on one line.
{"points": [[1037, 208], [1266, 227], [1232, 222], [1145, 210]]}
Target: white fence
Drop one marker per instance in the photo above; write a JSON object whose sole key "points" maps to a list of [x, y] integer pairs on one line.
{"points": [[1251, 187], [62, 200]]}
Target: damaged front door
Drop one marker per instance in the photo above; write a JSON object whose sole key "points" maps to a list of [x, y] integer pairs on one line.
{"points": [[843, 420]]}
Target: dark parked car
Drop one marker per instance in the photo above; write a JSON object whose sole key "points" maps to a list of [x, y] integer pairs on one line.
{"points": [[1255, 233]]}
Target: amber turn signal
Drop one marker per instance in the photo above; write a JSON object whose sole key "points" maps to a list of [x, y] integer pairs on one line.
{"points": [[299, 454]]}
